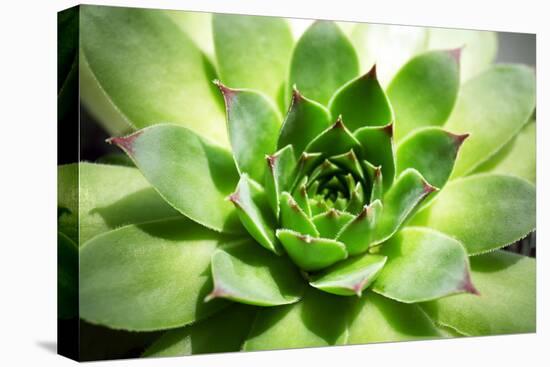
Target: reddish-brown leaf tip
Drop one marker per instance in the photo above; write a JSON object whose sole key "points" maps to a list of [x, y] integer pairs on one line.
{"points": [[271, 159], [339, 124], [459, 138], [428, 188], [456, 53], [388, 129], [371, 73], [296, 95], [227, 93], [467, 284], [234, 198], [217, 292], [305, 237], [126, 143]]}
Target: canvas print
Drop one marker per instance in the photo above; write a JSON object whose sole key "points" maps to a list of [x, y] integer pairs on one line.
{"points": [[233, 183]]}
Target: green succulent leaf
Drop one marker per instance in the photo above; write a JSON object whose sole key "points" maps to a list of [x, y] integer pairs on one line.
{"points": [[335, 140], [359, 234], [67, 277], [304, 121], [377, 181], [323, 60], [246, 273], [182, 167], [507, 304], [492, 107], [223, 332], [517, 158], [350, 163], [303, 324], [252, 51], [255, 214], [432, 151], [301, 196], [294, 218], [89, 209], [362, 102], [253, 124], [389, 46], [377, 147], [479, 48], [423, 264], [330, 223], [149, 276], [311, 253], [424, 90], [484, 212], [196, 25], [173, 73], [378, 319], [279, 174], [350, 277], [400, 201]]}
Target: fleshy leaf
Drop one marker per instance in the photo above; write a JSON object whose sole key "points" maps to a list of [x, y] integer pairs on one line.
{"points": [[255, 214], [506, 282], [432, 151], [484, 212], [377, 147], [517, 158], [400, 201], [349, 162], [253, 124], [423, 264], [89, 209], [294, 218], [223, 332], [323, 60], [252, 51], [303, 324], [311, 253], [247, 273], [67, 277], [182, 167], [301, 197], [350, 277], [492, 107], [390, 46], [376, 181], [424, 91], [280, 169], [359, 234], [362, 102], [165, 79], [335, 140], [378, 319], [196, 25], [148, 277], [479, 48], [331, 222], [304, 121]]}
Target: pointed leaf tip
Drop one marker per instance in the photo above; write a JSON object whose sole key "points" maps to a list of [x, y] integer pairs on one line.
{"points": [[125, 142], [459, 138], [456, 53], [372, 73], [468, 286], [227, 93], [216, 293], [388, 129], [339, 124]]}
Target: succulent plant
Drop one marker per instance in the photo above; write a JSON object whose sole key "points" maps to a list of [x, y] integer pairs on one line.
{"points": [[337, 207]]}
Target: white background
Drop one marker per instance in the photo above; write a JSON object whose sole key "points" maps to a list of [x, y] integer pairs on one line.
{"points": [[28, 182]]}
